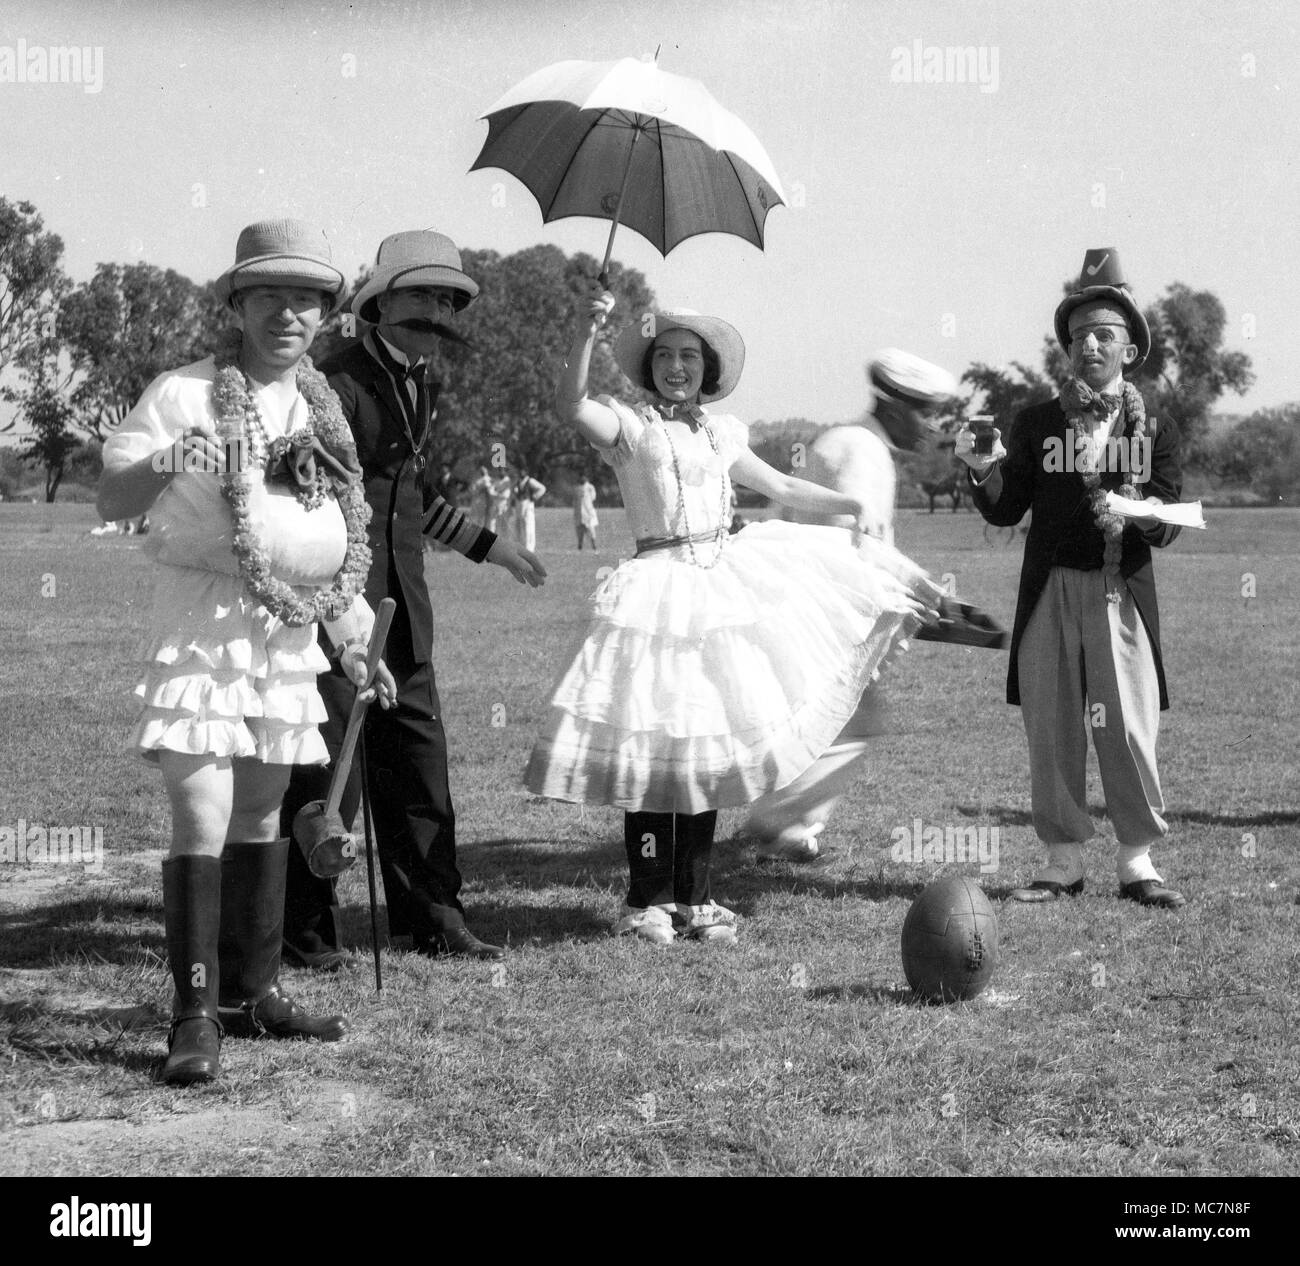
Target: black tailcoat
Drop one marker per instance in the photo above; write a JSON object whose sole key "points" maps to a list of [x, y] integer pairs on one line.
{"points": [[1063, 531], [406, 747], [397, 493]]}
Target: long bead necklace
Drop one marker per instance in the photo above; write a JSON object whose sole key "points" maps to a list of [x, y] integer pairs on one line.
{"points": [[681, 495]]}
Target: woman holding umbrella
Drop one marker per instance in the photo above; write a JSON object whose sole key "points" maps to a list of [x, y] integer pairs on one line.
{"points": [[714, 668]]}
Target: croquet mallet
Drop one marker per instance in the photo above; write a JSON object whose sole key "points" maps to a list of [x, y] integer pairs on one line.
{"points": [[327, 844]]}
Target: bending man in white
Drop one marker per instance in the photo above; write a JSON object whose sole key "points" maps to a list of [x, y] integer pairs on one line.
{"points": [[857, 459]]}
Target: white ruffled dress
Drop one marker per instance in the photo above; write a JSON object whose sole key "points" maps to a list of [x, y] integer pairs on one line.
{"points": [[703, 686], [223, 676]]}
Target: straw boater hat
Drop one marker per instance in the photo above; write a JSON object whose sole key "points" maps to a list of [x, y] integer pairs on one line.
{"points": [[910, 379], [282, 253], [420, 257], [1102, 281], [630, 348]]}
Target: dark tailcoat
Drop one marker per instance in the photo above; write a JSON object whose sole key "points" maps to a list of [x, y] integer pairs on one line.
{"points": [[397, 494], [1063, 531], [406, 747]]}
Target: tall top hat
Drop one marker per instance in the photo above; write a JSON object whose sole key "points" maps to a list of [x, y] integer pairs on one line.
{"points": [[282, 253], [420, 257], [1102, 281]]}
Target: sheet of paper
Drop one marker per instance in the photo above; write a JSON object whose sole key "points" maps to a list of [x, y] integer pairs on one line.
{"points": [[1183, 514]]}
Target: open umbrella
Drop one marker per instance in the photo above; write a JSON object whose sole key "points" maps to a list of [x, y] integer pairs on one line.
{"points": [[627, 142]]}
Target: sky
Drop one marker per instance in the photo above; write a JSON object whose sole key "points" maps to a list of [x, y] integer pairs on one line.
{"points": [[940, 217]]}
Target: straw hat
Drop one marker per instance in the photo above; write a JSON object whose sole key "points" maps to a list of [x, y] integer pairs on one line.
{"points": [[724, 339], [282, 253], [420, 257]]}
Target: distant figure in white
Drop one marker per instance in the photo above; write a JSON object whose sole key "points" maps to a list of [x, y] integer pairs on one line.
{"points": [[858, 460], [499, 493], [523, 519], [585, 521]]}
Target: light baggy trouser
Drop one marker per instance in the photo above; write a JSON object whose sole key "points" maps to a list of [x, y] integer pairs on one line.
{"points": [[1086, 663]]}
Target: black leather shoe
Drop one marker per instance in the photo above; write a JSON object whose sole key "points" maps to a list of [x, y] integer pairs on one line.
{"points": [[277, 1015], [193, 1052], [1046, 890], [457, 943], [324, 958], [1149, 892]]}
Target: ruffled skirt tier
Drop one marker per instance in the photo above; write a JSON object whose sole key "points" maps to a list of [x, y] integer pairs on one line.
{"points": [[225, 678], [701, 688]]}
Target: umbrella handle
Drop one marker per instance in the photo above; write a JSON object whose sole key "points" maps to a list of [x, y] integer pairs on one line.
{"points": [[618, 211]]}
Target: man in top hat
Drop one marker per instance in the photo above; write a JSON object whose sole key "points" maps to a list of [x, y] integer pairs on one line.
{"points": [[858, 460], [388, 397], [1085, 648]]}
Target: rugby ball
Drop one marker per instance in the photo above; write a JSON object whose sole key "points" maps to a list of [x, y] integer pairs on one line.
{"points": [[950, 940]]}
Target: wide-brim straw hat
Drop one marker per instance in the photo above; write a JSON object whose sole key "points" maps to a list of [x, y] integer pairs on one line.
{"points": [[419, 257], [1101, 280], [282, 253], [723, 338]]}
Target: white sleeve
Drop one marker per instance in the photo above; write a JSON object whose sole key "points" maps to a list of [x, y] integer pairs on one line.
{"points": [[357, 621], [630, 430], [852, 460], [156, 422], [732, 435]]}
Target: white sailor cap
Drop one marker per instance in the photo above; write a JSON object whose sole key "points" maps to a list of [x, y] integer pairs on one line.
{"points": [[909, 378]]}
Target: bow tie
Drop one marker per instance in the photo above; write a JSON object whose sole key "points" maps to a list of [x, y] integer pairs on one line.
{"points": [[691, 414], [1078, 397]]}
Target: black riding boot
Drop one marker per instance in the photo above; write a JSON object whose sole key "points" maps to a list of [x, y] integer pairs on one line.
{"points": [[252, 928], [191, 910]]}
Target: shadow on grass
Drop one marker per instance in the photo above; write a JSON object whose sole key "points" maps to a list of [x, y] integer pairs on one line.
{"points": [[899, 995], [502, 921], [529, 861], [30, 1011], [1007, 816], [745, 880], [1234, 819], [587, 869], [84, 1036], [87, 1051], [590, 870], [594, 874], [113, 929]]}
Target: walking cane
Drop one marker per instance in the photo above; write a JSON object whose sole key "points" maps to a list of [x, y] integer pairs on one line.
{"points": [[370, 862]]}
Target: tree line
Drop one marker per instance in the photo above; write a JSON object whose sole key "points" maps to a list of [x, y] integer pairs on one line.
{"points": [[1186, 374], [74, 358]]}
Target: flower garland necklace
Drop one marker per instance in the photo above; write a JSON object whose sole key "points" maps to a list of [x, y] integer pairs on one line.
{"points": [[1076, 397], [724, 508], [240, 428]]}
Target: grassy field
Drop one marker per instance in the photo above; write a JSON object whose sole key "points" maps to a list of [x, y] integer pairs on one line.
{"points": [[1114, 1040]]}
